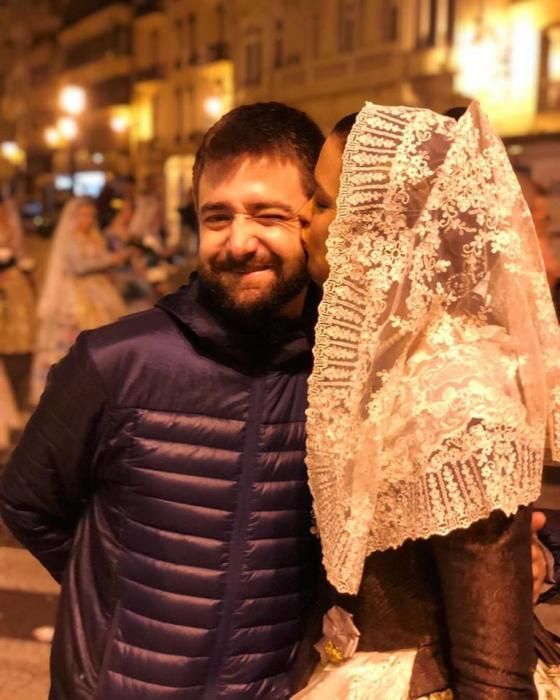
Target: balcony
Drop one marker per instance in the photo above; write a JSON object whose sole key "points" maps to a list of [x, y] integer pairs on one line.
{"points": [[116, 42], [146, 7], [150, 74], [116, 91], [220, 51], [77, 11]]}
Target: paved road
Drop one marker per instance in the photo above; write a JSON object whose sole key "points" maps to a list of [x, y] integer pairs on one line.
{"points": [[28, 597]]}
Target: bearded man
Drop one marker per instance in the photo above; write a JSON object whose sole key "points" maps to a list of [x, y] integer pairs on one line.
{"points": [[161, 479]]}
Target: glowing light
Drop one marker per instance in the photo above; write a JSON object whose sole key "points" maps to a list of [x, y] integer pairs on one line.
{"points": [[477, 54], [214, 107], [554, 55], [72, 99], [498, 64], [68, 128], [98, 158], [119, 123], [524, 54], [10, 150], [143, 120], [52, 137]]}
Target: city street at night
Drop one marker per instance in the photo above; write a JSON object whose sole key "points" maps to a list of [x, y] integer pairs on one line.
{"points": [[279, 349]]}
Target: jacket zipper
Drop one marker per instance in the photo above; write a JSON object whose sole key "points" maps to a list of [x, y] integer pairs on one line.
{"points": [[239, 536]]}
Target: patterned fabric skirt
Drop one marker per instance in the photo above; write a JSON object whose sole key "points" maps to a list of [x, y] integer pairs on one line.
{"points": [[17, 313], [9, 418], [386, 676], [95, 302]]}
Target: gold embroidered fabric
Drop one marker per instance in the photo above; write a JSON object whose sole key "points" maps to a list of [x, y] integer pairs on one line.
{"points": [[437, 356]]}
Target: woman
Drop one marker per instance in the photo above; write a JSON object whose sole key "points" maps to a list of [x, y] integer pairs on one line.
{"points": [[130, 278], [78, 293], [17, 321], [436, 377]]}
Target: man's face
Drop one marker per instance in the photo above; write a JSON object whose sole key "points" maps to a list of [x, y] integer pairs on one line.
{"points": [[251, 256]]}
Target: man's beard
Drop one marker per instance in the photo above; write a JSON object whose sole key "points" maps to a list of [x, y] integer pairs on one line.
{"points": [[258, 312]]}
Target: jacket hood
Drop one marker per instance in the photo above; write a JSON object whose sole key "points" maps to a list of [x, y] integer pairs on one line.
{"points": [[281, 342]]}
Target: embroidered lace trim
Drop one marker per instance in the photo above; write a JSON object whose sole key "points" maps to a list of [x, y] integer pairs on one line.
{"points": [[437, 357]]}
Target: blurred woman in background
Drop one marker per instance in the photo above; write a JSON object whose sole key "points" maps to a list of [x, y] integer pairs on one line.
{"points": [[131, 277], [78, 293], [17, 321]]}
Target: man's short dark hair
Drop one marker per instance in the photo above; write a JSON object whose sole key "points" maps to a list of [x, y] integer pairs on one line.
{"points": [[262, 129]]}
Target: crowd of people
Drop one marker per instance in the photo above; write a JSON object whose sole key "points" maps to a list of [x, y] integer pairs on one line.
{"points": [[309, 471], [94, 275]]}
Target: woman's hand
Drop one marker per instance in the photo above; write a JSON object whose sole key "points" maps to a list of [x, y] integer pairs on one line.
{"points": [[539, 559]]}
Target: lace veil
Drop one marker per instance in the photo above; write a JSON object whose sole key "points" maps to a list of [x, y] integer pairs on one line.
{"points": [[437, 356], [56, 294]]}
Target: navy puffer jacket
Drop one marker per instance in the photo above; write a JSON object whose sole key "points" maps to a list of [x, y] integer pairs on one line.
{"points": [[162, 479]]}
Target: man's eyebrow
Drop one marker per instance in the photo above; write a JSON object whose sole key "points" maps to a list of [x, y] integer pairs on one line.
{"points": [[252, 207], [255, 207], [214, 206]]}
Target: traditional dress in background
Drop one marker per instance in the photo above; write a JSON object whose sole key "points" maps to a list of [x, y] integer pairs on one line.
{"points": [[17, 320], [78, 293]]}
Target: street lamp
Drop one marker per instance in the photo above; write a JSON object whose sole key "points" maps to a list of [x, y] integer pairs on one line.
{"points": [[119, 123], [11, 151], [68, 128], [214, 106], [14, 154], [72, 100], [52, 137]]}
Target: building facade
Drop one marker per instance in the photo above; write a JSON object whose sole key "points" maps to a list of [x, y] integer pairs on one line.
{"points": [[329, 56], [158, 72]]}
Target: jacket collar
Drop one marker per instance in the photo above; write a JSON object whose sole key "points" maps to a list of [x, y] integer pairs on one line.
{"points": [[282, 342]]}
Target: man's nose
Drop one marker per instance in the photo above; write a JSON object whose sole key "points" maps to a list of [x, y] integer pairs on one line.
{"points": [[242, 239]]}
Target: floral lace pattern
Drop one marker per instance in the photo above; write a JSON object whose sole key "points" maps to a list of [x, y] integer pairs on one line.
{"points": [[437, 356]]}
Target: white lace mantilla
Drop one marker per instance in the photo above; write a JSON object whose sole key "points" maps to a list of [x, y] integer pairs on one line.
{"points": [[437, 356]]}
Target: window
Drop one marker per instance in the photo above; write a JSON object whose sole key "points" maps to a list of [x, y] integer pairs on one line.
{"points": [[436, 23], [221, 22], [180, 114], [155, 47], [388, 15], [279, 44], [451, 14], [179, 40], [549, 98], [253, 63], [347, 25], [192, 44], [427, 23], [315, 33], [156, 102]]}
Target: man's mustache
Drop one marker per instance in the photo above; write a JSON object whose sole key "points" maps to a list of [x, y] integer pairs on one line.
{"points": [[244, 267]]}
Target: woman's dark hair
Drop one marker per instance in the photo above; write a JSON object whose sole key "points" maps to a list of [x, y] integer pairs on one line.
{"points": [[343, 127], [455, 112]]}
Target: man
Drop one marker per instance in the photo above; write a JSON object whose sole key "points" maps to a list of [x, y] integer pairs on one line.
{"points": [[161, 478]]}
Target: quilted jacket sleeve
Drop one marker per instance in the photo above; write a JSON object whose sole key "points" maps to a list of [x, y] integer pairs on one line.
{"points": [[46, 485], [486, 582]]}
